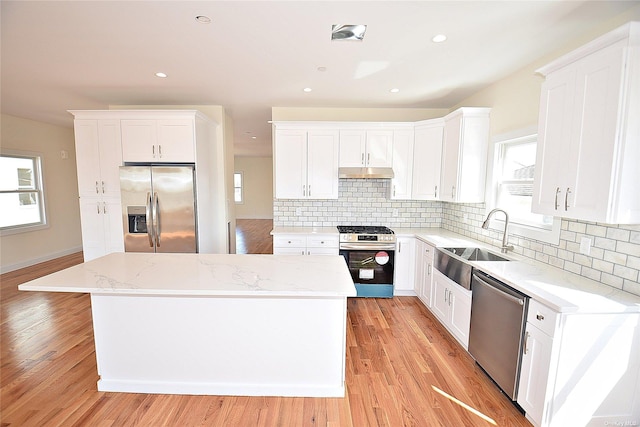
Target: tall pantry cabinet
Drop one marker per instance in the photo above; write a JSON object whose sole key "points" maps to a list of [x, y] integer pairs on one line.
{"points": [[588, 156], [99, 155]]}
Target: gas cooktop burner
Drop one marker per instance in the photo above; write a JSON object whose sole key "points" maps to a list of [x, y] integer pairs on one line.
{"points": [[364, 229]]}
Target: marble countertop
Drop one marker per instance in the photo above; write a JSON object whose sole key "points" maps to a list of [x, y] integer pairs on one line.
{"points": [[558, 289], [203, 275]]}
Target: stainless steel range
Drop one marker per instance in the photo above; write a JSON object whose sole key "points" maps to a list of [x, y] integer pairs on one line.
{"points": [[369, 252]]}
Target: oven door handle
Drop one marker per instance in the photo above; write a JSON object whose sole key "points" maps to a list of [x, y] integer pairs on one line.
{"points": [[360, 247]]}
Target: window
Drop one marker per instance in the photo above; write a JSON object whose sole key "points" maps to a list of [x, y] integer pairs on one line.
{"points": [[237, 187], [21, 195], [512, 181]]}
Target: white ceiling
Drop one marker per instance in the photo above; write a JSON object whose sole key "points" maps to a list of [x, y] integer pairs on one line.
{"points": [[58, 56]]}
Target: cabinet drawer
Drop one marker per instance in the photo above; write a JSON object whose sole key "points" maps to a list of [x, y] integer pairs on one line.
{"points": [[290, 241], [288, 251], [322, 241], [542, 317]]}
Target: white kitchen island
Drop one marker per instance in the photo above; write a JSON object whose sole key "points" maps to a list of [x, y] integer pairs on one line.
{"points": [[254, 325]]}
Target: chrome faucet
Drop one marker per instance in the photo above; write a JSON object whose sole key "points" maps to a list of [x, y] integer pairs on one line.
{"points": [[505, 237]]}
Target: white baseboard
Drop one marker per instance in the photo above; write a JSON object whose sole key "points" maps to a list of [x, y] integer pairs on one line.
{"points": [[34, 261]]}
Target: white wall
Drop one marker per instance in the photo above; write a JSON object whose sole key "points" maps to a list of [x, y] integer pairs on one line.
{"points": [[257, 173], [63, 235]]}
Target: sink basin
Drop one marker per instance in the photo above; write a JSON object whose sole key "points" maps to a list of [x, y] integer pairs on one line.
{"points": [[476, 254], [452, 262]]}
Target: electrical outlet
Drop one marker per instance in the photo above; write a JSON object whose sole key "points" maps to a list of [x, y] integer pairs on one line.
{"points": [[395, 212], [585, 246], [298, 211]]}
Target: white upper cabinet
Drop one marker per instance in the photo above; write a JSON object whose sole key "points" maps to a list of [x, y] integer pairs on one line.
{"points": [[306, 164], [366, 148], [160, 141], [99, 155], [427, 158], [464, 155], [588, 156], [402, 164]]}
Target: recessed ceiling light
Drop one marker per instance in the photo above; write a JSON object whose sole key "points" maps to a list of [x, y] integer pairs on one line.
{"points": [[254, 137], [163, 75], [348, 32], [307, 89], [321, 69], [439, 38], [203, 19], [394, 90]]}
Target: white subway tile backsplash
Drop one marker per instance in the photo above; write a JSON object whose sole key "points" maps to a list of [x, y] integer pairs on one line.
{"points": [[614, 258]]}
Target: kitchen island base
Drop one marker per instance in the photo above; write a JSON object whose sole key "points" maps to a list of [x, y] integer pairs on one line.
{"points": [[266, 346]]}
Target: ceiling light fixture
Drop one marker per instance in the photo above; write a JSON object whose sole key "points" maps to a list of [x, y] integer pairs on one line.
{"points": [[307, 89], [439, 38], [394, 90], [162, 75], [348, 32], [203, 19]]}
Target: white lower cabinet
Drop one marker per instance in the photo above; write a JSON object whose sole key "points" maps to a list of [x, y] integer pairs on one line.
{"points": [[305, 244], [452, 305], [580, 369], [424, 272], [404, 267], [102, 231]]}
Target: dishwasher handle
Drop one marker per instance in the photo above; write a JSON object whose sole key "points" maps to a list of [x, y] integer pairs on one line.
{"points": [[501, 288]]}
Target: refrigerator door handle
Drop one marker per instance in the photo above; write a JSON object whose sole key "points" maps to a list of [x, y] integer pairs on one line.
{"points": [[156, 217], [149, 220]]}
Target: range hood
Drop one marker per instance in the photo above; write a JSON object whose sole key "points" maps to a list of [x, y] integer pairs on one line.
{"points": [[365, 173]]}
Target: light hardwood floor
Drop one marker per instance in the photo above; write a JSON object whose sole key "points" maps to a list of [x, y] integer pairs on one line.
{"points": [[401, 365], [253, 236]]}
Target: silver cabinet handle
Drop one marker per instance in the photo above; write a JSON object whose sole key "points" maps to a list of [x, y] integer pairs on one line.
{"points": [[566, 199], [104, 208], [436, 192], [394, 190], [97, 188], [102, 187], [556, 202], [539, 316], [399, 247], [362, 159], [526, 341], [429, 270], [446, 291], [453, 191], [160, 151], [368, 158], [309, 191], [98, 207], [153, 151], [304, 190]]}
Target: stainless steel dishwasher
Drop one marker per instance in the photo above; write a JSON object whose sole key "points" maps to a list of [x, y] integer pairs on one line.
{"points": [[498, 316]]}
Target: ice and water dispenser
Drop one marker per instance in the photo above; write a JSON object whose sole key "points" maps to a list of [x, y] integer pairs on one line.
{"points": [[137, 216]]}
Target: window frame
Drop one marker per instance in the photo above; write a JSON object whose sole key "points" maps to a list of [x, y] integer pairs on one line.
{"points": [[241, 202], [38, 175], [548, 235]]}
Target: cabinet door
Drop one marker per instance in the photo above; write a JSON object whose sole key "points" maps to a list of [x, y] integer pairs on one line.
{"points": [[139, 141], [460, 313], [176, 141], [554, 132], [450, 155], [404, 268], [428, 255], [290, 158], [379, 152], [441, 295], [88, 157], [113, 225], [110, 157], [322, 164], [598, 86], [472, 159], [91, 217], [427, 159], [352, 148], [402, 164], [534, 372]]}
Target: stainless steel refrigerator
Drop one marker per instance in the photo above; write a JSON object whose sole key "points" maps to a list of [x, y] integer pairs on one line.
{"points": [[158, 208]]}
